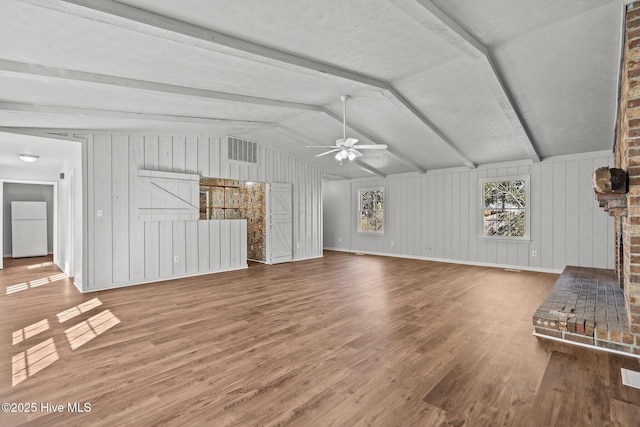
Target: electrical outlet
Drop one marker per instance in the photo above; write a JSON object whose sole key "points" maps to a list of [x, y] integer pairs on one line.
{"points": [[99, 213], [339, 239], [393, 243], [297, 245], [534, 253], [176, 259]]}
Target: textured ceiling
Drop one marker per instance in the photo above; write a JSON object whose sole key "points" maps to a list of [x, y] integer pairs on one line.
{"points": [[444, 83]]}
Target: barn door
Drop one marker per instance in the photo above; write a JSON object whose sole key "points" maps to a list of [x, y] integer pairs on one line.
{"points": [[280, 211]]}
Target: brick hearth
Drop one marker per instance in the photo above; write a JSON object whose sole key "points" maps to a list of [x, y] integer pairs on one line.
{"points": [[586, 305]]}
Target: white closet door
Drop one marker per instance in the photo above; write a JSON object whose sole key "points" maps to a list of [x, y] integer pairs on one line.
{"points": [[280, 247]]}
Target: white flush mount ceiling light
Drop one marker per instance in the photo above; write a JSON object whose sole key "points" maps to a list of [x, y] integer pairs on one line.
{"points": [[29, 158]]}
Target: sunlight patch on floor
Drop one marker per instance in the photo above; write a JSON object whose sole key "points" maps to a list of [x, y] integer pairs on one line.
{"points": [[87, 330], [27, 363], [57, 277], [44, 264], [35, 283], [30, 331], [78, 309], [16, 288], [39, 282]]}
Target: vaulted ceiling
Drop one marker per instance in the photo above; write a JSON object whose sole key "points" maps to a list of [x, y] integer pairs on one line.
{"points": [[443, 83]]}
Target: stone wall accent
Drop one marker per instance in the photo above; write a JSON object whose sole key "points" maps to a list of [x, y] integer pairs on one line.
{"points": [[256, 210]]}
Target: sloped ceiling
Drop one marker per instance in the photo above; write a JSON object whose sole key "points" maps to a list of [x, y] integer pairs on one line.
{"points": [[443, 83]]}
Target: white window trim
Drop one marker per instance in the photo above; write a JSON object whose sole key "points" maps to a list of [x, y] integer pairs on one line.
{"points": [[527, 209], [359, 216]]}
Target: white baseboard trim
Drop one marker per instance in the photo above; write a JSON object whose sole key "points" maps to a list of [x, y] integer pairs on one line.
{"points": [[62, 268], [293, 260], [78, 284], [161, 279], [309, 257], [451, 261]]}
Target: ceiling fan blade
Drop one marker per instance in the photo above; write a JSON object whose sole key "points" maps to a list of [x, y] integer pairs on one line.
{"points": [[329, 152], [371, 147], [321, 146], [355, 152]]}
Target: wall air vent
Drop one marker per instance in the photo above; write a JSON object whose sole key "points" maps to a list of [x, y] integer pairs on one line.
{"points": [[242, 150]]}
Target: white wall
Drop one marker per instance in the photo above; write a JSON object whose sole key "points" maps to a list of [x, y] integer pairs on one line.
{"points": [[436, 216], [122, 250]]}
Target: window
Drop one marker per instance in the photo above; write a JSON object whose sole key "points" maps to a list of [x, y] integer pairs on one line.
{"points": [[504, 207], [371, 210]]}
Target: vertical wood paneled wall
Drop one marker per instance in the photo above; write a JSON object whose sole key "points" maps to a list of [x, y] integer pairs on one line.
{"points": [[124, 251], [436, 215]]}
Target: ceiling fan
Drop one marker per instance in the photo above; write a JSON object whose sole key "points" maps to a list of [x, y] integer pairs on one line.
{"points": [[347, 148]]}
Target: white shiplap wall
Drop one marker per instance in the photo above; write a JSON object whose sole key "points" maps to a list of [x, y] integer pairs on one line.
{"points": [[436, 216], [124, 251]]}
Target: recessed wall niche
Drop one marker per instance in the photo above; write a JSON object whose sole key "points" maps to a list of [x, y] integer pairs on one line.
{"points": [[234, 199]]}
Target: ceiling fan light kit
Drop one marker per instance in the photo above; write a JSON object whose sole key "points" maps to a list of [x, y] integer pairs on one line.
{"points": [[346, 148]]}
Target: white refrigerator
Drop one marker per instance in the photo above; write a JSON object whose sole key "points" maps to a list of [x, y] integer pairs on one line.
{"points": [[28, 229]]}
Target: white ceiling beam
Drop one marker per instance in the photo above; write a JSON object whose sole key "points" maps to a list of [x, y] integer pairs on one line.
{"points": [[397, 98], [21, 68], [55, 109], [468, 44], [145, 22], [149, 23], [375, 140], [367, 168], [503, 95], [39, 133]]}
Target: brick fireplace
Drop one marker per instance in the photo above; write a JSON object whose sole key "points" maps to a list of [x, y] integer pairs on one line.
{"points": [[602, 307], [627, 157]]}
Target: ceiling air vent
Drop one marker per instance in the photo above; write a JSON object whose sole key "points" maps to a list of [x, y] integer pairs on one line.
{"points": [[242, 150]]}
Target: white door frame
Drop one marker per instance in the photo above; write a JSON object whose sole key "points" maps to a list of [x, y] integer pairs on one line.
{"points": [[71, 222], [267, 223], [55, 213]]}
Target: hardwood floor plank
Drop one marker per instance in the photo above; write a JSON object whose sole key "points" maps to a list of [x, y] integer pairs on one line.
{"points": [[339, 341]]}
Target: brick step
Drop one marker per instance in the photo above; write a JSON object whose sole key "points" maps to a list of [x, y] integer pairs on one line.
{"points": [[586, 305]]}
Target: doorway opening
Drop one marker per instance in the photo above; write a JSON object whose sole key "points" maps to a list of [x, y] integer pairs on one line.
{"points": [[28, 191], [236, 199], [266, 207]]}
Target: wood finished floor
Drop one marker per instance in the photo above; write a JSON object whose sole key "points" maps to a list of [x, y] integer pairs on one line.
{"points": [[344, 340]]}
